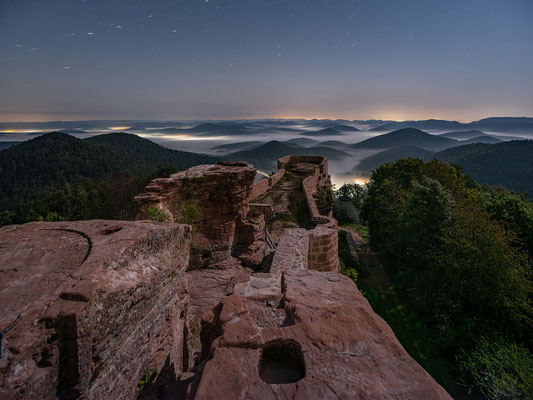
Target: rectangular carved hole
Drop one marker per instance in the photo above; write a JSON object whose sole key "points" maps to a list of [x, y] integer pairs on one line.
{"points": [[68, 371]]}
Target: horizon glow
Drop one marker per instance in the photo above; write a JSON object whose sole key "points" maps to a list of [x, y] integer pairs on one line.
{"points": [[460, 60]]}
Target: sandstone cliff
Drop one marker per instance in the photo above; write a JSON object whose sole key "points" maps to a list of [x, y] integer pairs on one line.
{"points": [[204, 304]]}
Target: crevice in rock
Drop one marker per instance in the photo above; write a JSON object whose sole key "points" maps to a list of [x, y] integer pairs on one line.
{"points": [[185, 361], [266, 263], [210, 331], [109, 231], [68, 372], [73, 297]]}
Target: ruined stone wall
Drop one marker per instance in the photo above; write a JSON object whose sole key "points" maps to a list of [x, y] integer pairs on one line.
{"points": [[266, 209], [261, 187], [323, 240], [323, 249]]}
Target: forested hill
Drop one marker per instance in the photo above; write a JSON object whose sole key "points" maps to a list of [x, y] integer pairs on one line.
{"points": [[147, 154], [509, 164], [37, 168]]}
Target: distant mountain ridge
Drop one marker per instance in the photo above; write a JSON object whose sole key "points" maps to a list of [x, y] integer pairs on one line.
{"points": [[481, 139], [523, 125], [509, 164], [495, 124], [430, 124], [322, 132], [401, 137], [370, 163], [463, 135], [266, 155]]}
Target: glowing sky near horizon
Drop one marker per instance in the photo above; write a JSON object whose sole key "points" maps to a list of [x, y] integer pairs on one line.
{"points": [[229, 59]]}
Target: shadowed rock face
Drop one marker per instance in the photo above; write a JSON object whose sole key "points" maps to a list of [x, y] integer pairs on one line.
{"points": [[99, 303], [214, 199]]}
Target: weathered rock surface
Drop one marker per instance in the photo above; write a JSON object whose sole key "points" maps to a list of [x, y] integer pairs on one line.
{"points": [[99, 302], [356, 244], [214, 199], [347, 350]]}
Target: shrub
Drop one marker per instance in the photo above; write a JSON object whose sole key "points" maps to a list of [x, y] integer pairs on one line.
{"points": [[345, 212], [500, 370], [351, 273], [155, 214], [352, 193], [145, 379], [189, 212]]}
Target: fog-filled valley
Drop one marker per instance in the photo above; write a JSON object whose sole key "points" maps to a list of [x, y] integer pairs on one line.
{"points": [[354, 148]]}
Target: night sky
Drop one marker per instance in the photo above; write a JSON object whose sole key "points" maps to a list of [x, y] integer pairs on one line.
{"points": [[224, 59]]}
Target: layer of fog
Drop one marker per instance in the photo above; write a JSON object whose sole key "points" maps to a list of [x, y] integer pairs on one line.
{"points": [[341, 170]]}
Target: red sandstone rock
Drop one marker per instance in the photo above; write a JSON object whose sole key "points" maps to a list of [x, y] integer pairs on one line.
{"points": [[214, 199], [104, 300], [99, 302], [349, 352]]}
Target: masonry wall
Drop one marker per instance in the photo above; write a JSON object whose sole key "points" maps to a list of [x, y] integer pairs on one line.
{"points": [[323, 240], [323, 249], [261, 187]]}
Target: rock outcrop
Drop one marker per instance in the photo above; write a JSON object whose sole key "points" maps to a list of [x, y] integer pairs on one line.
{"points": [[213, 199], [329, 345], [111, 308], [99, 304]]}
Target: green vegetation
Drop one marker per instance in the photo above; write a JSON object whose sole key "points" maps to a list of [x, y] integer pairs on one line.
{"points": [[348, 263], [107, 198], [361, 229], [189, 212], [155, 214], [349, 200], [499, 369], [458, 256], [298, 212], [509, 164], [298, 206], [148, 376], [324, 198], [59, 177], [351, 273]]}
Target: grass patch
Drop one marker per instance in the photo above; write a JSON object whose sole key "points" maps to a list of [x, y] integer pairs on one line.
{"points": [[361, 229], [155, 214], [189, 212]]}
